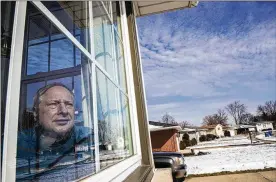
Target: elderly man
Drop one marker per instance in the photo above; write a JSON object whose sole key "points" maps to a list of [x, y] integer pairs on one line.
{"points": [[54, 141]]}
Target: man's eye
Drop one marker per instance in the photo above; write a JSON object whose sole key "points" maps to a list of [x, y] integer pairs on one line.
{"points": [[69, 104], [52, 104]]}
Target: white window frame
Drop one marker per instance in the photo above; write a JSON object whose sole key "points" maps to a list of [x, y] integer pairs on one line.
{"points": [[117, 172]]}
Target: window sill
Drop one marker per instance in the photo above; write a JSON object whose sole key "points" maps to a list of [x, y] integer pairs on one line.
{"points": [[141, 174], [116, 171]]}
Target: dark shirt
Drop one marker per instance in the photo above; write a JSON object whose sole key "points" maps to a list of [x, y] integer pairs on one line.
{"points": [[33, 162]]}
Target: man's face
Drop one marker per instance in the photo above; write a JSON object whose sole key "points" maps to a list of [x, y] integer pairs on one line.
{"points": [[56, 111]]}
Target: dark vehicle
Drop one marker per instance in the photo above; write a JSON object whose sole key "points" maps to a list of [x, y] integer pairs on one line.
{"points": [[173, 160]]}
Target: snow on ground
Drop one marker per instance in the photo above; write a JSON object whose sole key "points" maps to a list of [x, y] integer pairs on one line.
{"points": [[262, 137], [236, 140], [233, 159]]}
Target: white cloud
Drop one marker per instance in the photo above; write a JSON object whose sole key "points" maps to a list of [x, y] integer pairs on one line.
{"points": [[195, 63]]}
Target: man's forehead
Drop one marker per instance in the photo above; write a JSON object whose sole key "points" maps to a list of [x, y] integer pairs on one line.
{"points": [[58, 92]]}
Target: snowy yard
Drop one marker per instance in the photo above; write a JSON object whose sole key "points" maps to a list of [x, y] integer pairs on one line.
{"points": [[237, 140], [262, 137], [233, 159]]}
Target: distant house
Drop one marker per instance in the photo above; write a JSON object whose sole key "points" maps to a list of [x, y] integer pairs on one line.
{"points": [[243, 129], [263, 126], [214, 129], [193, 132], [232, 130], [164, 137]]}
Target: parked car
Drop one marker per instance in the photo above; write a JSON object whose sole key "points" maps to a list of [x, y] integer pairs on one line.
{"points": [[173, 160]]}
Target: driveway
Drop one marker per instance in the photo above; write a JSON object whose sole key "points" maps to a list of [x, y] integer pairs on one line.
{"points": [[262, 176]]}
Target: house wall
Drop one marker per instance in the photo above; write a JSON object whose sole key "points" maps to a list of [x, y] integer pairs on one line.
{"points": [[211, 131], [165, 140], [232, 132], [202, 133], [219, 132], [265, 125], [195, 134]]}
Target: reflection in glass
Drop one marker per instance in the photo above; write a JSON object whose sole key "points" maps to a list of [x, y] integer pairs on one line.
{"points": [[124, 111], [103, 40], [120, 62], [31, 90], [48, 49], [55, 137], [61, 51], [74, 16], [113, 123], [67, 81], [37, 58]]}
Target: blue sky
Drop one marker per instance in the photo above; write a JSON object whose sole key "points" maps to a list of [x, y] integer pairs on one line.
{"points": [[198, 60]]}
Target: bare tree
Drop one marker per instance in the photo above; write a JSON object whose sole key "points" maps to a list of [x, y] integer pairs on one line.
{"points": [[269, 109], [184, 124], [247, 118], [236, 110], [219, 118], [267, 112], [168, 119], [209, 120]]}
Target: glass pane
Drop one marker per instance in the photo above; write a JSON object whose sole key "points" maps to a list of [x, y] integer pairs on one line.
{"points": [[31, 90], [114, 139], [120, 62], [67, 81], [74, 16], [107, 5], [38, 58], [39, 28], [56, 138], [103, 40], [62, 51], [48, 49], [126, 124]]}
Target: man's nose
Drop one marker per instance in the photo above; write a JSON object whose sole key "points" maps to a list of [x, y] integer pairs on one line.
{"points": [[63, 109]]}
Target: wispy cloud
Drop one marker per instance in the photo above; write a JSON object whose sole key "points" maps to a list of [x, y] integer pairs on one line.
{"points": [[196, 65]]}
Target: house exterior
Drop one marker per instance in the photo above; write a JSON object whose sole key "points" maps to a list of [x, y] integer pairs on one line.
{"points": [[165, 139], [232, 130], [262, 126], [244, 129], [92, 48], [193, 132], [164, 136], [214, 130]]}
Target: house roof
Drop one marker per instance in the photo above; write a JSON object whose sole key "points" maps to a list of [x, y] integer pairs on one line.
{"points": [[190, 129], [208, 126], [157, 123], [245, 126], [143, 8], [178, 128]]}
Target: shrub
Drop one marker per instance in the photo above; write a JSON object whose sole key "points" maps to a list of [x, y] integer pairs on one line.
{"points": [[227, 133], [187, 143], [210, 137], [193, 142], [202, 138], [186, 136], [182, 145]]}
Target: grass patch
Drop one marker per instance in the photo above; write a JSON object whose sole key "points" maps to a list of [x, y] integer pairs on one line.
{"points": [[231, 172]]}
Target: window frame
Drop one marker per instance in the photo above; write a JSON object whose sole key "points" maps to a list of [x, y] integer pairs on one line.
{"points": [[116, 172]]}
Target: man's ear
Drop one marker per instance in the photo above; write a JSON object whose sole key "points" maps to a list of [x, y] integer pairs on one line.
{"points": [[35, 113]]}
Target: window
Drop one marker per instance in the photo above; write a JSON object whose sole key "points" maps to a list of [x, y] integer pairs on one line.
{"points": [[7, 12], [74, 113]]}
